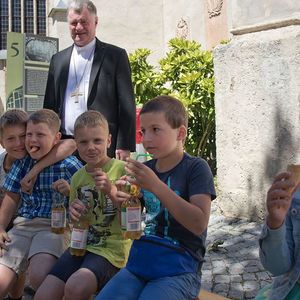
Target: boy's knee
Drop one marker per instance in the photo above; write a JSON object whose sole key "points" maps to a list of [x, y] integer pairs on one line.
{"points": [[74, 291], [35, 280], [39, 267], [40, 295]]}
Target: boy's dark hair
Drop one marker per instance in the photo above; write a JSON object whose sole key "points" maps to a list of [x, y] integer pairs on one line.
{"points": [[46, 116], [174, 110], [90, 118], [12, 117]]}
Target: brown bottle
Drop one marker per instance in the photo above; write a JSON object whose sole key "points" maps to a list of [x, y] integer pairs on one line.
{"points": [[80, 229], [58, 214], [131, 213]]}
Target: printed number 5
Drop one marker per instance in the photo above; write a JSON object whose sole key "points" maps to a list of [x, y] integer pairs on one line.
{"points": [[14, 47]]}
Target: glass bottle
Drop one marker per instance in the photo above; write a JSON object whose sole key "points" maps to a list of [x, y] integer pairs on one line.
{"points": [[80, 228], [58, 213], [131, 212]]}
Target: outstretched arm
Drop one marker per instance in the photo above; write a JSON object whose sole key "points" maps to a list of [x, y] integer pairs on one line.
{"points": [[60, 151]]}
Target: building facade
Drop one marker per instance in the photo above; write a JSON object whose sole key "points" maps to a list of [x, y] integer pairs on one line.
{"points": [[130, 24]]}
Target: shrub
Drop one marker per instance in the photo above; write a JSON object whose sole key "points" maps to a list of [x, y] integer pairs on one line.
{"points": [[187, 73]]}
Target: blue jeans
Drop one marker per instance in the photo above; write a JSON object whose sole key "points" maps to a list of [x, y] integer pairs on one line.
{"points": [[126, 286]]}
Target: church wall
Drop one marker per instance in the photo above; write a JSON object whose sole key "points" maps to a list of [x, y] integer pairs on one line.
{"points": [[257, 104]]}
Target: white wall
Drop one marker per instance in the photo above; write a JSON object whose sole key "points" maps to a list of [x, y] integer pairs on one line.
{"points": [[133, 24], [257, 94], [251, 12]]}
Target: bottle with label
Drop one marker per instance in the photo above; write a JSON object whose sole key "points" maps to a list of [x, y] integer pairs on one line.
{"points": [[131, 212], [58, 213], [80, 228]]}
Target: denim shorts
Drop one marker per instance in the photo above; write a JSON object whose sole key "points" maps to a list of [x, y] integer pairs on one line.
{"points": [[126, 286]]}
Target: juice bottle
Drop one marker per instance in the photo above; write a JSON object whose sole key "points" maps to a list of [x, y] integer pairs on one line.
{"points": [[131, 212], [80, 228], [58, 213]]}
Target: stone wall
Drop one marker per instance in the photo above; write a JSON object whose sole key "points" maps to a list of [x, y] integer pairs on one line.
{"points": [[257, 106]]}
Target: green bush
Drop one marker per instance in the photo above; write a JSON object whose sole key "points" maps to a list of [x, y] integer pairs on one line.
{"points": [[186, 73]]}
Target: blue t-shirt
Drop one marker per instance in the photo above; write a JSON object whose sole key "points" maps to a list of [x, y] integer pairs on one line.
{"points": [[190, 177], [168, 248]]}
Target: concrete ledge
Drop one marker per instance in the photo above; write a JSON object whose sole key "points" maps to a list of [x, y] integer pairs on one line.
{"points": [[265, 26], [205, 295]]}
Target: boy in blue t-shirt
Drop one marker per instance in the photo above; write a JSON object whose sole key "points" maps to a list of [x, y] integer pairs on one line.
{"points": [[177, 192]]}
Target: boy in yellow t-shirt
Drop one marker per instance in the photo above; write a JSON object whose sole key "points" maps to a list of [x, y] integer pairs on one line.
{"points": [[79, 277]]}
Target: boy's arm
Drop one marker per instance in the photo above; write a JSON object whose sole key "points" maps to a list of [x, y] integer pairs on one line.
{"points": [[8, 208], [193, 215], [60, 151]]}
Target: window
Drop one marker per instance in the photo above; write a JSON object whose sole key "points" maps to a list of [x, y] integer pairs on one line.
{"points": [[16, 16], [41, 17], [14, 12], [4, 25], [28, 16]]}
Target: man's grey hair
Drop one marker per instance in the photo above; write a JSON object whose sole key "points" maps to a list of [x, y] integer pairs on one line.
{"points": [[79, 5]]}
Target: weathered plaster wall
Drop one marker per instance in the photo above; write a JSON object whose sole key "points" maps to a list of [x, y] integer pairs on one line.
{"points": [[258, 116], [133, 24], [253, 12]]}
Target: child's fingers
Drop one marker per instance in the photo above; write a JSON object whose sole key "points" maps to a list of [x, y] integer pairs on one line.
{"points": [[282, 184], [74, 214], [96, 172], [276, 193], [282, 176], [3, 246]]}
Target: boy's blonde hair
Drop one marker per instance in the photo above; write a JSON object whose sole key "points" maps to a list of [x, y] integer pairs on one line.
{"points": [[46, 116], [91, 118], [12, 117], [173, 109]]}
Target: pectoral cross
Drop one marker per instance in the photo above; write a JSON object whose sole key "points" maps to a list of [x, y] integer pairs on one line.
{"points": [[76, 94]]}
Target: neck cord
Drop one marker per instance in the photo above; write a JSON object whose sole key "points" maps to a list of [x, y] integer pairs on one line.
{"points": [[78, 83]]}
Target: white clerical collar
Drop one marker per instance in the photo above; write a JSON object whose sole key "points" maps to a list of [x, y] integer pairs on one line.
{"points": [[86, 48]]}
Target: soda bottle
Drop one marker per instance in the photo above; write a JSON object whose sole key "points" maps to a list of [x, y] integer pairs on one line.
{"points": [[58, 213], [131, 212], [80, 228]]}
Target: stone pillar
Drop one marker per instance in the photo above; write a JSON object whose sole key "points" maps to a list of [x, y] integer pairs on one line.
{"points": [[257, 103], [216, 22]]}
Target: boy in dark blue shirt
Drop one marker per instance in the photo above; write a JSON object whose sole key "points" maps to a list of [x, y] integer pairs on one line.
{"points": [[177, 192]]}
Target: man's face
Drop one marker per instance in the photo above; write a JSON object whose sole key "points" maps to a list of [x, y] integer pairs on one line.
{"points": [[40, 139], [13, 140], [82, 26]]}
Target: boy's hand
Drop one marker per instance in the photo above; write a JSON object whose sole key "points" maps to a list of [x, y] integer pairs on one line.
{"points": [[4, 238], [27, 183], [102, 183], [143, 176], [76, 209], [119, 195], [279, 199], [62, 186], [122, 154]]}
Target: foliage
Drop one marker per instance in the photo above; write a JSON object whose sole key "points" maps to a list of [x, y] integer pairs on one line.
{"points": [[186, 73]]}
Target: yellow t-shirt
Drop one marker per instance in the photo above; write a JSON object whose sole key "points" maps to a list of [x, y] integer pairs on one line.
{"points": [[105, 235]]}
